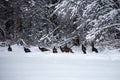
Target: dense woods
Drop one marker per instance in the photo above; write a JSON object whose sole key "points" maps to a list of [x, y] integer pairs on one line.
{"points": [[59, 22]]}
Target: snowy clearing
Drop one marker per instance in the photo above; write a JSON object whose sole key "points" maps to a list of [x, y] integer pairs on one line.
{"points": [[39, 65]]}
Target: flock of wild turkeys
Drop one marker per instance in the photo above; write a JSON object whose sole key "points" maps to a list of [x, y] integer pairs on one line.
{"points": [[65, 49]]}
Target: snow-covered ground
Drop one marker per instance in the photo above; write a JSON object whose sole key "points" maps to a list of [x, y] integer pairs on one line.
{"points": [[37, 65]]}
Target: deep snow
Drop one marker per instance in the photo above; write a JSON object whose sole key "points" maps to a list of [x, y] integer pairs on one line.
{"points": [[39, 65]]}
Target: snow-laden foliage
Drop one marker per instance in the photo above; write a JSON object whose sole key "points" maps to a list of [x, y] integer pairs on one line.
{"points": [[57, 22], [28, 20], [96, 20]]}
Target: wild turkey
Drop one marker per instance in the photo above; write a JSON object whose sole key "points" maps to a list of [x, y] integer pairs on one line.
{"points": [[43, 49], [94, 49], [70, 50], [83, 49], [27, 50], [9, 48], [66, 49], [55, 50], [62, 49]]}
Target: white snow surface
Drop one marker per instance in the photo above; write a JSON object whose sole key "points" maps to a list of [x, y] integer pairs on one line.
{"points": [[37, 65]]}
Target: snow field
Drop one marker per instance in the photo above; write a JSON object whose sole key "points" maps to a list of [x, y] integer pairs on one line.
{"points": [[37, 65]]}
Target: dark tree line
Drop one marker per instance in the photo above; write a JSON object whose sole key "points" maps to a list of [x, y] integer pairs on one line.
{"points": [[59, 22]]}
